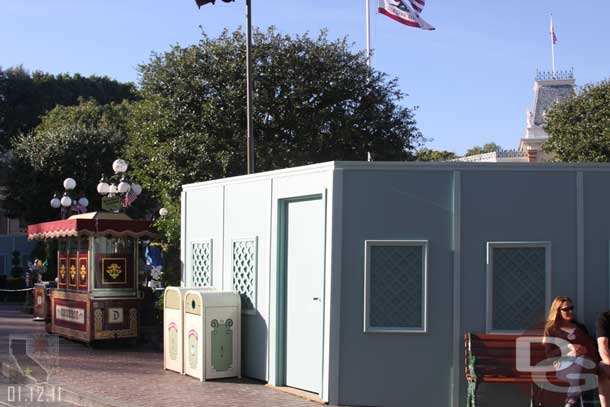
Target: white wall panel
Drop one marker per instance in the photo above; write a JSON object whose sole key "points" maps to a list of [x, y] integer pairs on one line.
{"points": [[203, 221]]}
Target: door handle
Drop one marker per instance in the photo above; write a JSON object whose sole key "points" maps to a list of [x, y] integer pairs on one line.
{"points": [[317, 299]]}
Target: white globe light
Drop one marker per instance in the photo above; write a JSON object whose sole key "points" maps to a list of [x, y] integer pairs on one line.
{"points": [[84, 202], [55, 202], [66, 201], [119, 165], [137, 188], [113, 189], [163, 212], [69, 183], [103, 188], [123, 187]]}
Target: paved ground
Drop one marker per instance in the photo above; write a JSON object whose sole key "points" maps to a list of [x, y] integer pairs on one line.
{"points": [[126, 375]]}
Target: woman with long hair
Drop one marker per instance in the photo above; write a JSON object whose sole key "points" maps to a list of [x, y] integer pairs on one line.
{"points": [[575, 353]]}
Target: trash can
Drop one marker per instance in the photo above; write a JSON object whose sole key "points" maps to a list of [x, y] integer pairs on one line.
{"points": [[173, 322], [48, 323], [40, 301], [212, 340], [172, 328]]}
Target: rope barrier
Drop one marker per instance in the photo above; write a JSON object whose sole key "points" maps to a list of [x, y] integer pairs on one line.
{"points": [[12, 291]]}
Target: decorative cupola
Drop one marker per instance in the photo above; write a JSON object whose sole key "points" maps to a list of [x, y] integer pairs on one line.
{"points": [[549, 89]]}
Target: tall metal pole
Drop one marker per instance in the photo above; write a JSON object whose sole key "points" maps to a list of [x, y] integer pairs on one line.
{"points": [[249, 137], [553, 47], [368, 32]]}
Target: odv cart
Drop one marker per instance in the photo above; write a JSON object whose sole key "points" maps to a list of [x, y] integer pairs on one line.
{"points": [[97, 295]]}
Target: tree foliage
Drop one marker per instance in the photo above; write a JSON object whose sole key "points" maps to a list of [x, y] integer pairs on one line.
{"points": [[71, 141], [314, 100], [579, 127], [25, 97], [428, 154], [487, 148]]}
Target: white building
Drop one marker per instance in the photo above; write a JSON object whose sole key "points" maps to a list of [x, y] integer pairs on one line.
{"points": [[549, 89], [360, 279]]}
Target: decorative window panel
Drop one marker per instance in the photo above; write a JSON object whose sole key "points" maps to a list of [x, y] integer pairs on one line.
{"points": [[518, 285], [245, 271], [395, 286], [201, 253]]}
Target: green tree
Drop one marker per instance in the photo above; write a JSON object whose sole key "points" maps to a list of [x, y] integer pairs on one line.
{"points": [[315, 100], [25, 97], [487, 148], [428, 154], [579, 127], [75, 141]]}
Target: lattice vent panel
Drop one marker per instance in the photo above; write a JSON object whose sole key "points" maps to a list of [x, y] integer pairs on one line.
{"points": [[244, 271], [396, 286], [519, 282], [202, 263]]}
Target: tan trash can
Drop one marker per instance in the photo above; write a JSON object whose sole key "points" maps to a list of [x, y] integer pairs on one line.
{"points": [[173, 323], [212, 334]]}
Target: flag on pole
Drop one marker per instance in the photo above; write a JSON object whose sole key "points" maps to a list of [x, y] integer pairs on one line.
{"points": [[129, 198], [203, 2], [405, 11], [553, 36]]}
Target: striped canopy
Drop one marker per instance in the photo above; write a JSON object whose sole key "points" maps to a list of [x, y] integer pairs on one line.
{"points": [[92, 224]]}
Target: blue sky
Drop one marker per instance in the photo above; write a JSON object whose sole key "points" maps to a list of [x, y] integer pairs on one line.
{"points": [[472, 78]]}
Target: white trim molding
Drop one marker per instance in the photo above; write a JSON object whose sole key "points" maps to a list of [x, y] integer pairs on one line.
{"points": [[489, 273], [335, 259], [367, 286], [183, 237], [458, 344], [580, 247]]}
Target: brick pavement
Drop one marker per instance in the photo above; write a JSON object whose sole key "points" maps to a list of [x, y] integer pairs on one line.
{"points": [[134, 376]]}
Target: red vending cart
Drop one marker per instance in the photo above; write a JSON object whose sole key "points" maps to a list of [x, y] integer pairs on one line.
{"points": [[97, 295]]}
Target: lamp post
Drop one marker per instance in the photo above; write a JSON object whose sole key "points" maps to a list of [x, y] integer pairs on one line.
{"points": [[67, 203], [250, 156], [116, 191]]}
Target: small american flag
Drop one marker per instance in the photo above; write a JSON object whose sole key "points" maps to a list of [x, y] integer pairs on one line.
{"points": [[553, 36], [129, 198]]}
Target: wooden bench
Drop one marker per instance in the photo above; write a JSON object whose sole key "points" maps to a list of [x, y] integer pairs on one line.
{"points": [[491, 358]]}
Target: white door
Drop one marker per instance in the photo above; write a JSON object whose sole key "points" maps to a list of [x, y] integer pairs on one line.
{"points": [[305, 293]]}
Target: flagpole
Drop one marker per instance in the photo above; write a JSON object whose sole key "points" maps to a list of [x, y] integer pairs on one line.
{"points": [[368, 32], [250, 156], [553, 47]]}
